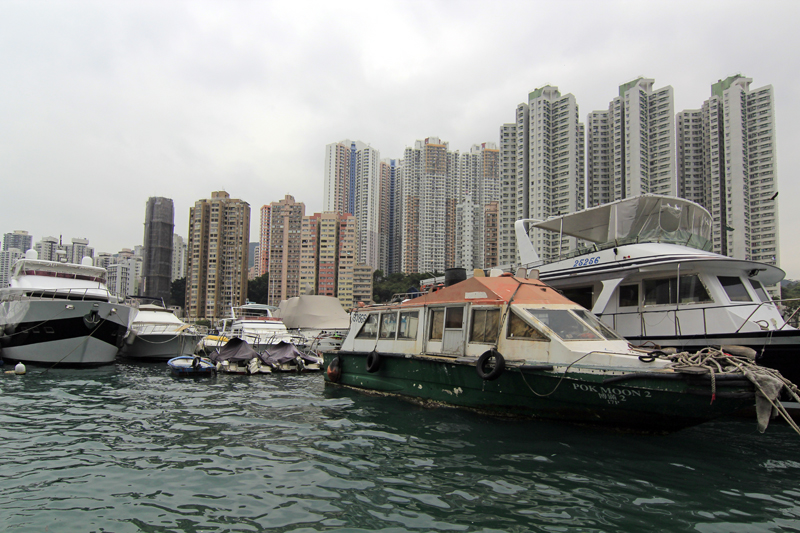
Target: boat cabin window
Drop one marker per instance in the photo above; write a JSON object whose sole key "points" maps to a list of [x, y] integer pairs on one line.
{"points": [[437, 324], [760, 291], [735, 289], [519, 329], [665, 291], [369, 330], [597, 324], [454, 318], [564, 324], [485, 324], [580, 295], [408, 325], [448, 318], [629, 296], [388, 325]]}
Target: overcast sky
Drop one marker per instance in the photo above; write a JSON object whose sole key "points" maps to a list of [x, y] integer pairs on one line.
{"points": [[104, 104]]}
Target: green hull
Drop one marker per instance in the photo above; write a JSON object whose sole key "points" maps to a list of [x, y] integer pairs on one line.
{"points": [[645, 401]]}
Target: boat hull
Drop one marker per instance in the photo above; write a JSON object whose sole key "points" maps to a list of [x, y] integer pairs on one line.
{"points": [[645, 403], [160, 346], [67, 332]]}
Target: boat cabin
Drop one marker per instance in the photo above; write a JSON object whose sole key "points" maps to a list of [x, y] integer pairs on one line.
{"points": [[524, 319]]}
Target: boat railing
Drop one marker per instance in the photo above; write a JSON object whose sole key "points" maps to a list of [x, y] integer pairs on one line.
{"points": [[693, 241], [677, 321], [73, 294]]}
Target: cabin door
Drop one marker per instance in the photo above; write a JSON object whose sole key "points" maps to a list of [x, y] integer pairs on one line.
{"points": [[453, 338]]}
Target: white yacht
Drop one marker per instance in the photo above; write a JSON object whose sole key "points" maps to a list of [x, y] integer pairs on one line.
{"points": [[647, 271], [254, 323], [60, 313], [158, 335]]}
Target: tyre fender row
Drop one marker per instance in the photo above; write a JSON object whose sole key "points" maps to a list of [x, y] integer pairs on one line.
{"points": [[490, 365]]}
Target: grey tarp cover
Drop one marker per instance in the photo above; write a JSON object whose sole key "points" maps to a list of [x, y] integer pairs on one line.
{"points": [[313, 312], [234, 351], [284, 352]]}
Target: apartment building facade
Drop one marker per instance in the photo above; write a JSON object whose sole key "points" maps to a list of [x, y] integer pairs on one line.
{"points": [[217, 245]]}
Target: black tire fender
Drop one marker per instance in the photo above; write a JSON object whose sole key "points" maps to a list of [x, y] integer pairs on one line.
{"points": [[497, 369], [335, 370], [373, 362]]}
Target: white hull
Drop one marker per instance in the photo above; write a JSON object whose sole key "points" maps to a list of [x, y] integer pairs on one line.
{"points": [[62, 331], [161, 346]]}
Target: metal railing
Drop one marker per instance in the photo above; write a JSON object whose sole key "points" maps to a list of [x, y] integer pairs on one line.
{"points": [[676, 319]]}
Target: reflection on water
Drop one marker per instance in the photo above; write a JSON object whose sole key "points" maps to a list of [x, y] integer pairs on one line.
{"points": [[130, 448]]}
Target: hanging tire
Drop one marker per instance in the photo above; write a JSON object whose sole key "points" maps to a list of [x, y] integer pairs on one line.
{"points": [[497, 369], [373, 362], [334, 370]]}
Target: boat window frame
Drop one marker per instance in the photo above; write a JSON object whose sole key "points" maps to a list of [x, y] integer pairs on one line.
{"points": [[360, 334], [383, 321], [760, 291], [434, 313], [582, 336], [638, 299], [412, 331], [542, 335], [674, 288], [471, 326], [728, 294]]}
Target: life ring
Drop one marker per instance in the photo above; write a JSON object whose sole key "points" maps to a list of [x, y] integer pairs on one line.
{"points": [[334, 370], [499, 365], [373, 362]]}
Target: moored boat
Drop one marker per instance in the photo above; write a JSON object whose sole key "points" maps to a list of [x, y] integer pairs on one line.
{"points": [[158, 335], [60, 313], [187, 365], [515, 346], [646, 269]]}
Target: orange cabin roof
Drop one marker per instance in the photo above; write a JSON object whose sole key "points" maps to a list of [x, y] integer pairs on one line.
{"points": [[494, 290]]}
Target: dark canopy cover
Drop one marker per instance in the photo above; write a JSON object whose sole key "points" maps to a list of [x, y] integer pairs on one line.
{"points": [[235, 350]]}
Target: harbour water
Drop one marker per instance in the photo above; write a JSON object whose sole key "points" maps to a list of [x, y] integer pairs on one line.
{"points": [[128, 447]]}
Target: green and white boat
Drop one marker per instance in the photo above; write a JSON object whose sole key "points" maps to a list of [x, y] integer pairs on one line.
{"points": [[515, 346]]}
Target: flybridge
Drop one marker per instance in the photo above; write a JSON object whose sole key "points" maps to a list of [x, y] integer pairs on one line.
{"points": [[643, 219]]}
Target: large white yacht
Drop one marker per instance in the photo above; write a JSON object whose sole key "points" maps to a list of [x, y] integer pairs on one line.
{"points": [[60, 313], [647, 271]]}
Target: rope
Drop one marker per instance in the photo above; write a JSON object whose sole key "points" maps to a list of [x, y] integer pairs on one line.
{"points": [[714, 361], [521, 373], [85, 340]]}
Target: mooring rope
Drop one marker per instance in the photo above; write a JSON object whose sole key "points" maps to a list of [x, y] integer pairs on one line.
{"points": [[715, 361]]}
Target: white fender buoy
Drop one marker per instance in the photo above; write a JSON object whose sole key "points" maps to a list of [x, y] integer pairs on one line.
{"points": [[19, 369]]}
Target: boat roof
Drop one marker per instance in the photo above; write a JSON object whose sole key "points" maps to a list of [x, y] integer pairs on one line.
{"points": [[493, 290], [631, 217]]}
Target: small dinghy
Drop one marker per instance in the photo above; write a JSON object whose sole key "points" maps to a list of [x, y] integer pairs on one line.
{"points": [[190, 365]]}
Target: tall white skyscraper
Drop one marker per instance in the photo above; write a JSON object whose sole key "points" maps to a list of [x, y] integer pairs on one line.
{"points": [[542, 169], [352, 184], [632, 145], [739, 168]]}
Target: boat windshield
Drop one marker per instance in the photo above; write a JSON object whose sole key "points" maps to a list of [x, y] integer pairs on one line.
{"points": [[564, 324], [595, 322]]}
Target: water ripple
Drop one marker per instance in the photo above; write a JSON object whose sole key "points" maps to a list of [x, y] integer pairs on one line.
{"points": [[130, 448]]}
